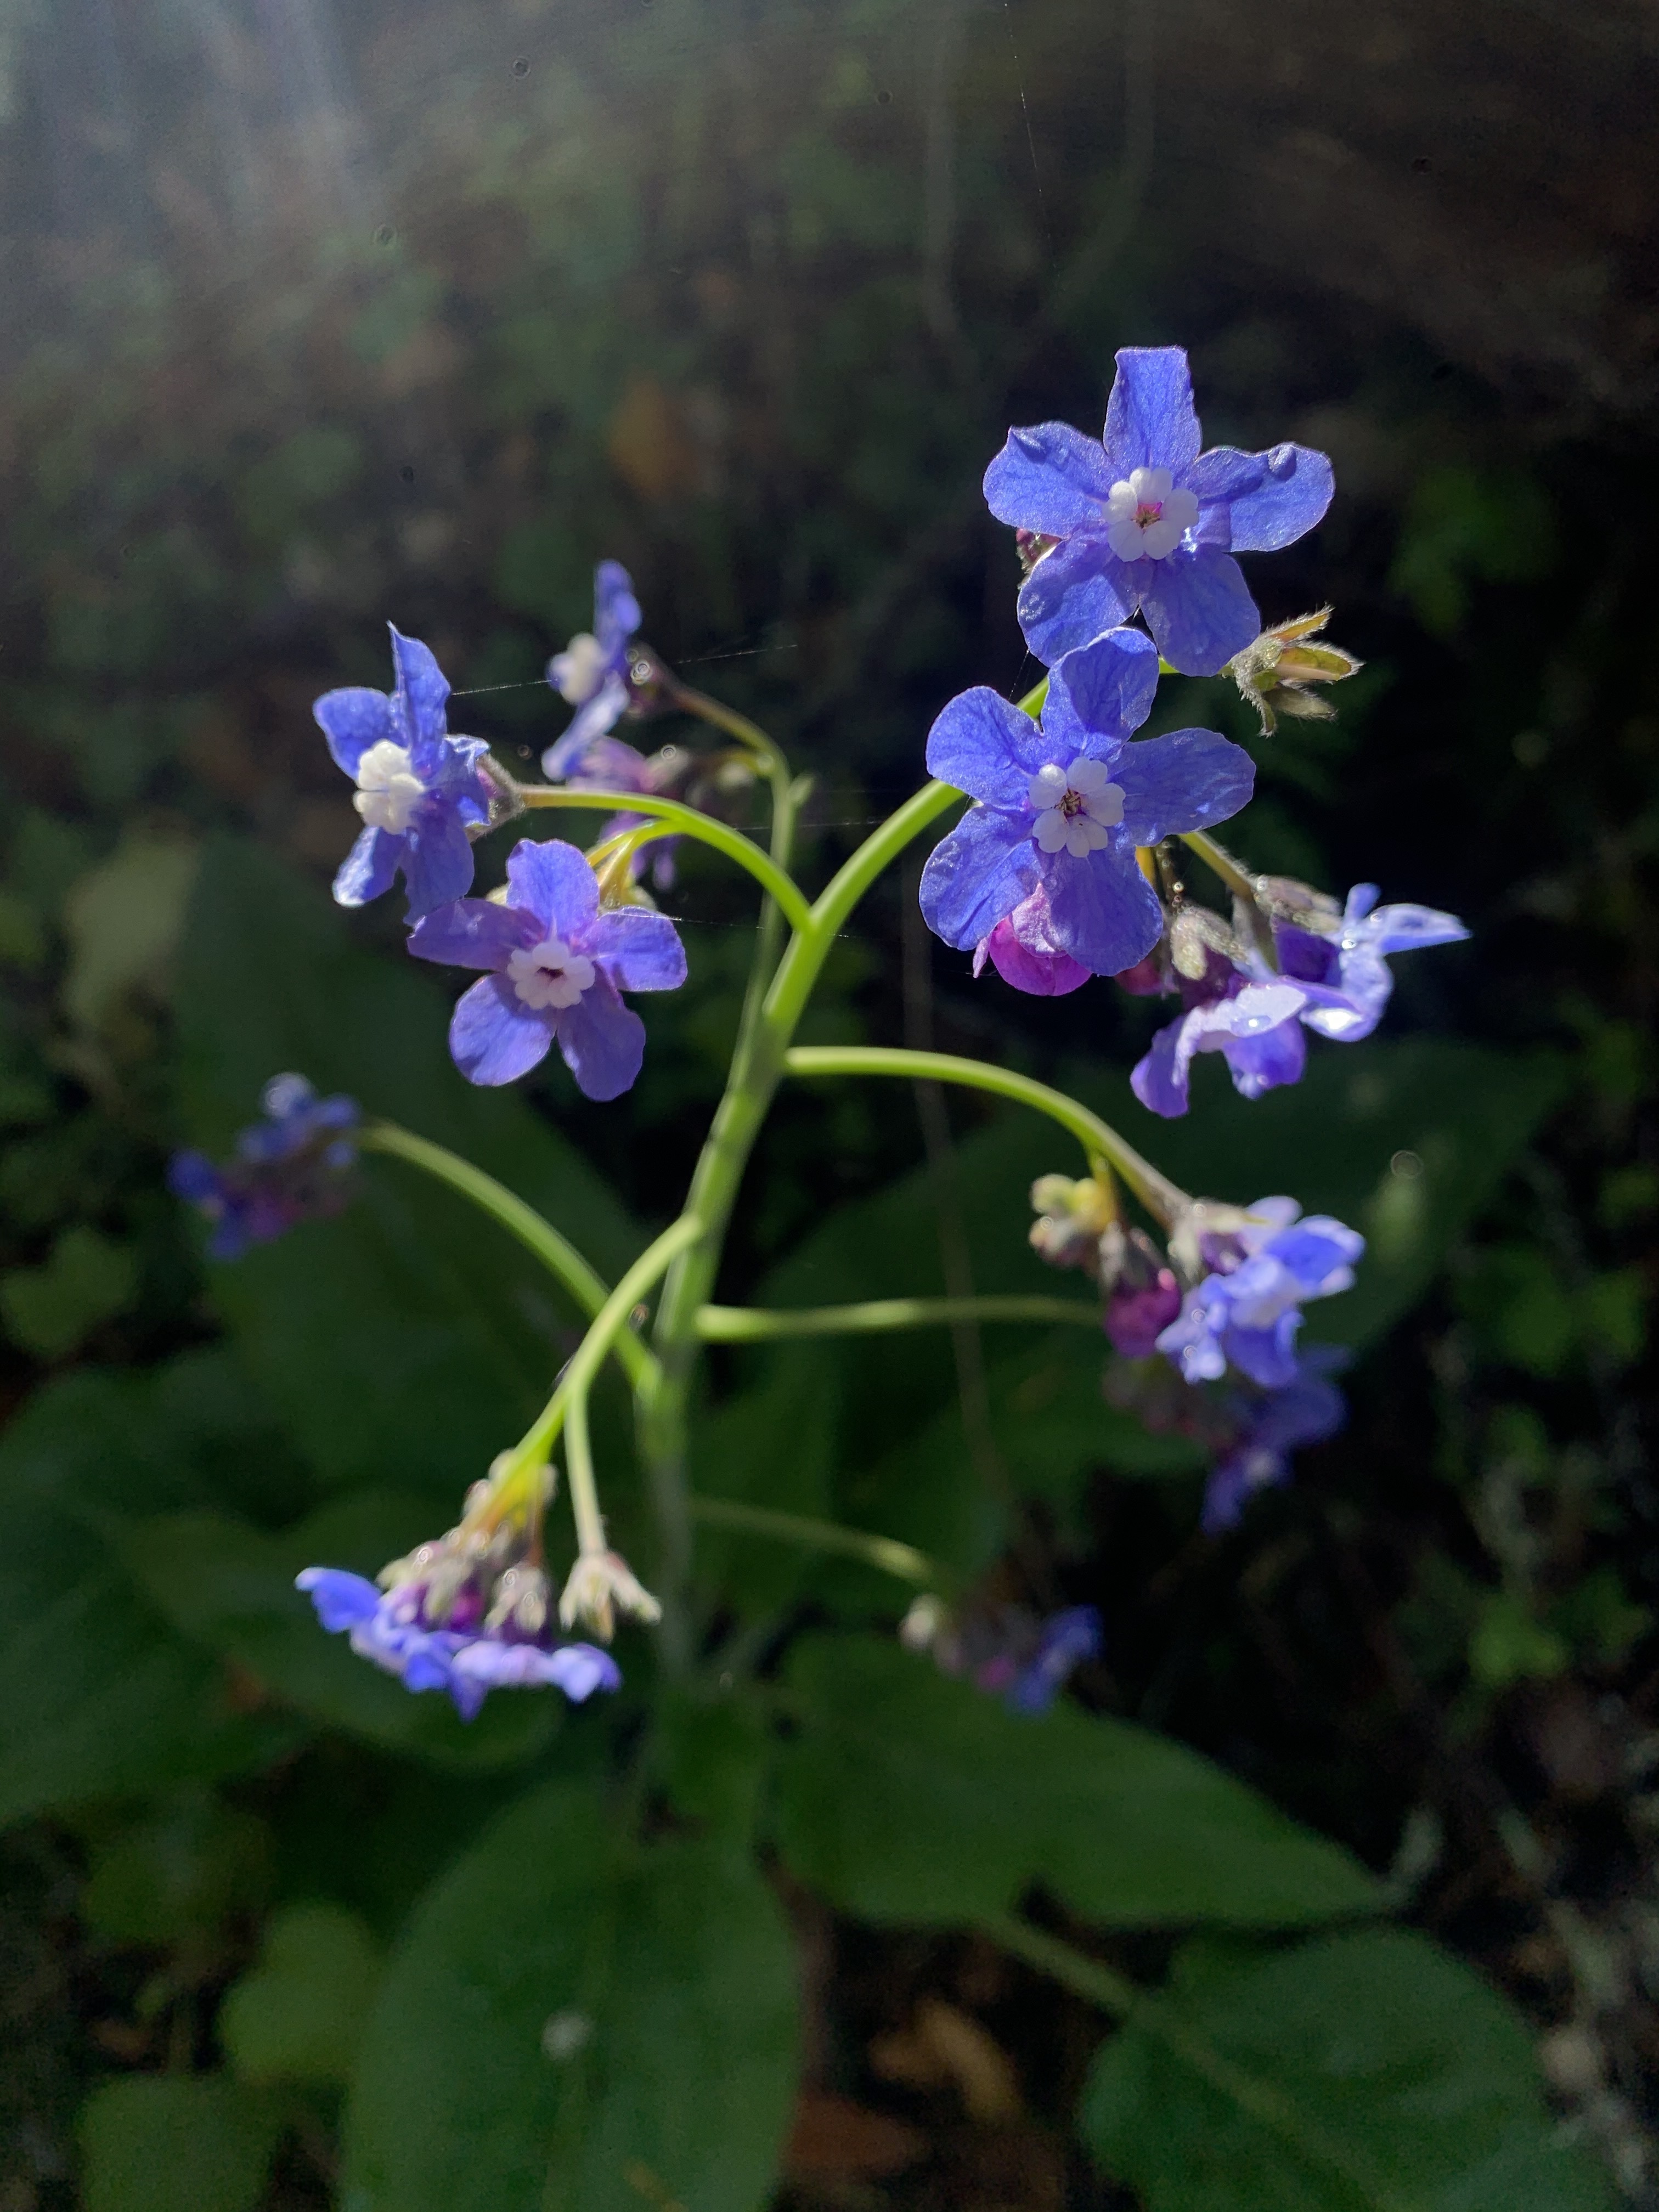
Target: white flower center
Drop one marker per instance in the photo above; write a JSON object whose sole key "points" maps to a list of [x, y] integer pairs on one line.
{"points": [[578, 671], [388, 790], [550, 974], [1077, 807], [1147, 515]]}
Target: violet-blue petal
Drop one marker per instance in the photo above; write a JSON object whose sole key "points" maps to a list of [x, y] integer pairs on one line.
{"points": [[421, 694], [616, 611], [1295, 491], [640, 951], [1185, 780], [1226, 473], [1049, 479], [1198, 608], [352, 721], [1099, 693], [1074, 594], [438, 863], [342, 1599], [1409, 928], [1150, 418], [1105, 912], [982, 744], [1267, 1059], [472, 933], [494, 1037], [1244, 1025], [370, 867], [554, 881], [1267, 1355], [593, 719], [978, 874], [602, 1040], [192, 1177], [1159, 1077], [1321, 1253], [1068, 1639]]}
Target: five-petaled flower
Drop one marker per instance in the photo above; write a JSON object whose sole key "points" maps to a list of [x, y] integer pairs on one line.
{"points": [[419, 790], [1064, 803], [295, 1165], [590, 674], [1264, 1265], [1141, 518], [558, 964]]}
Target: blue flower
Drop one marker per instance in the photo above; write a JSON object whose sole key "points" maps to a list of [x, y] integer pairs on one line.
{"points": [[591, 673], [1305, 1411], [557, 965], [1265, 1265], [1063, 804], [387, 1627], [1336, 983], [419, 790], [1068, 1640], [295, 1165], [1142, 520]]}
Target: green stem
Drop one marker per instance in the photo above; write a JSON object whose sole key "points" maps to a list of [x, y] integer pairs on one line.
{"points": [[903, 1560], [688, 822], [560, 1257], [1332, 2158], [1098, 1138], [754, 1324], [1232, 872]]}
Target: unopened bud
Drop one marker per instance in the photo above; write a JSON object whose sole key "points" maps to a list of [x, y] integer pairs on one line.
{"points": [[1071, 1220], [1274, 674], [601, 1585]]}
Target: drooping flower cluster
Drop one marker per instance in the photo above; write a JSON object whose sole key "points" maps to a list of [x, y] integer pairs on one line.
{"points": [[1024, 1658], [295, 1165]]}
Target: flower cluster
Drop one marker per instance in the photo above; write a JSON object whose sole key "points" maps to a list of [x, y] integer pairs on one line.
{"points": [[295, 1165], [1006, 1650]]}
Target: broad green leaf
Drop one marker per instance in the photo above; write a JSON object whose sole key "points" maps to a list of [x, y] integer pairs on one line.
{"points": [[408, 1341], [905, 1795], [298, 2014], [180, 1872], [87, 1279], [163, 2142], [574, 2024], [1359, 2073], [230, 1587]]}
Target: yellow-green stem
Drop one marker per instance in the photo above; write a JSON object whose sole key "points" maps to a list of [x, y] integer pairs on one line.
{"points": [[754, 1324], [687, 822]]}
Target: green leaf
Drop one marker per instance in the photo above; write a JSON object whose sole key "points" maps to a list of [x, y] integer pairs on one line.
{"points": [[574, 2024], [164, 2142], [182, 1872], [410, 1338], [298, 2015], [1358, 2073], [124, 920], [904, 1796], [88, 1279]]}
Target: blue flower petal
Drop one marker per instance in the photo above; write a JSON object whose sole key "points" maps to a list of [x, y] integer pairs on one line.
{"points": [[1198, 608], [472, 933], [1225, 473], [341, 1599], [1150, 419], [602, 1040], [1267, 1059], [976, 875], [986, 747], [1413, 928], [370, 867], [421, 694], [1105, 913], [494, 1037], [1295, 491], [1102, 691], [1185, 780], [1159, 1077], [641, 952], [556, 882], [616, 611], [1076, 593], [593, 719], [352, 721], [438, 860], [1049, 479]]}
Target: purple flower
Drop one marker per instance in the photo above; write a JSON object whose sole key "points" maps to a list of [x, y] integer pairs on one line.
{"points": [[1139, 1306], [1022, 950], [386, 1626], [1068, 1640], [591, 673], [558, 965], [295, 1165], [1063, 804], [1346, 977], [1144, 520], [1305, 1411], [1247, 1312], [419, 790], [608, 764]]}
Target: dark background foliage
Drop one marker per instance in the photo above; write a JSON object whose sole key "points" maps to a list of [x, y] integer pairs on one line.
{"points": [[319, 315]]}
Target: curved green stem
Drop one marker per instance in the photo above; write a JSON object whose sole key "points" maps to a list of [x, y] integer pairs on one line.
{"points": [[560, 1257], [688, 822], [1232, 872], [757, 1324], [886, 1553], [1161, 1198]]}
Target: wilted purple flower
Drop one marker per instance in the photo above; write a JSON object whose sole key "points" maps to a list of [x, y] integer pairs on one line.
{"points": [[1006, 1649], [1142, 520], [1345, 976], [1064, 803], [1304, 1411], [1265, 1265], [1022, 950], [419, 790], [387, 1626], [559, 963], [590, 674], [295, 1165], [1068, 1640], [1141, 1304]]}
